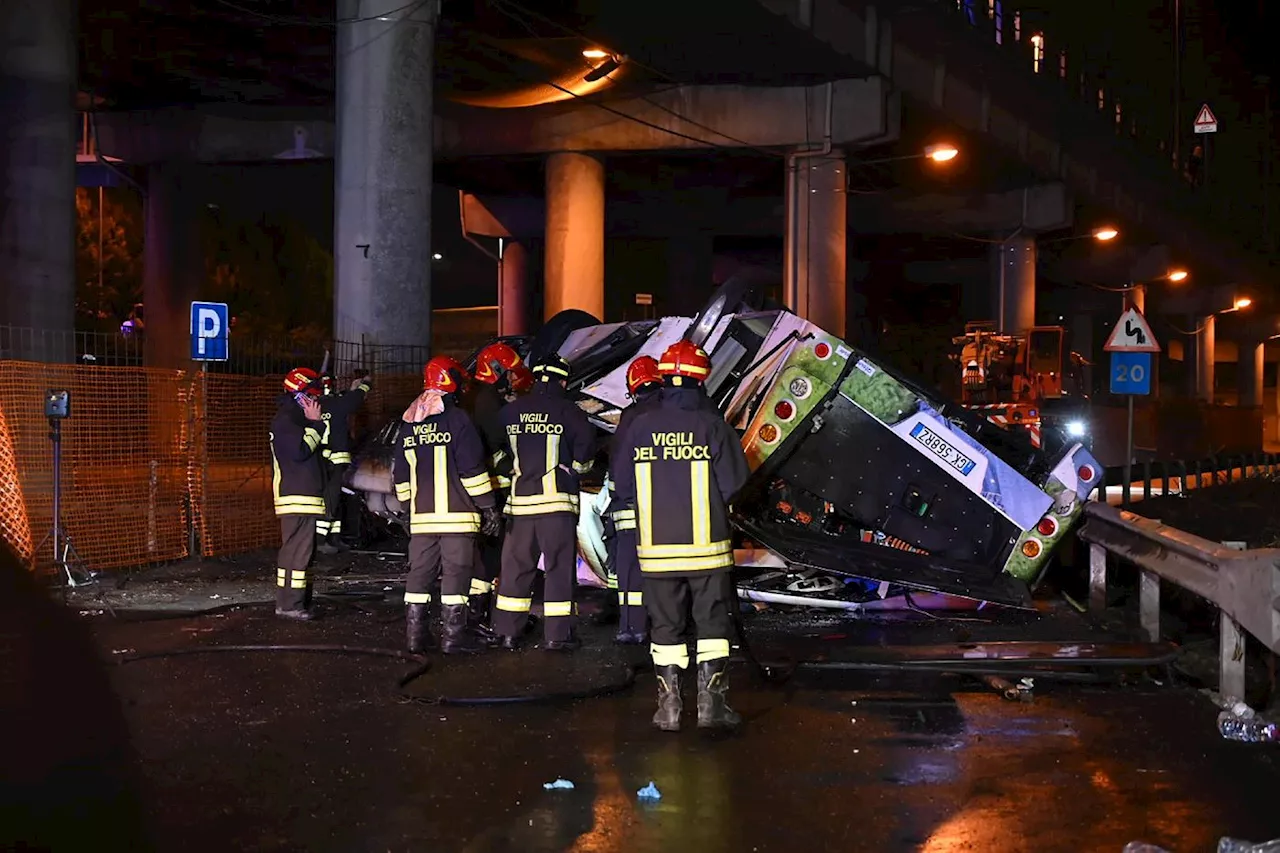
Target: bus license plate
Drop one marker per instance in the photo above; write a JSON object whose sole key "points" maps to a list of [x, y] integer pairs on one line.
{"points": [[942, 448]]}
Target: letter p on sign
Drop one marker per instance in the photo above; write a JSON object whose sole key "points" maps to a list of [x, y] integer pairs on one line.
{"points": [[209, 328]]}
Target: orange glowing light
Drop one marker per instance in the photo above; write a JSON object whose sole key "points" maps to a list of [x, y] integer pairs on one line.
{"points": [[1178, 275], [941, 153], [594, 53], [1105, 233]]}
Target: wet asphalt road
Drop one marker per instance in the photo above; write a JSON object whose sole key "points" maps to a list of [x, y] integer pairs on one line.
{"points": [[286, 751]]}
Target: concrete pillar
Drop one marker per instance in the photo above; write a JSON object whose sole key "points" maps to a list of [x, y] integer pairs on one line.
{"points": [[1014, 283], [1250, 374], [573, 258], [513, 289], [815, 254], [1082, 342], [382, 220], [38, 176], [172, 265], [1205, 353]]}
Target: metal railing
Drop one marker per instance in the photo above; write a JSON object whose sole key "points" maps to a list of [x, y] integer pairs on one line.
{"points": [[1243, 584], [1177, 476]]}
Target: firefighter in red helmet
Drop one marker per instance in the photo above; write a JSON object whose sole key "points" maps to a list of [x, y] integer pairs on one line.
{"points": [[686, 464], [499, 376], [440, 474], [297, 488], [643, 383]]}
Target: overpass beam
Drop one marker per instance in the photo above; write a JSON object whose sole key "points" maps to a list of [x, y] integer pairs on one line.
{"points": [[1014, 283], [815, 247], [573, 263], [382, 221], [38, 176]]}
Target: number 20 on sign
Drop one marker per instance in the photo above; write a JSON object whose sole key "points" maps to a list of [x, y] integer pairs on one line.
{"points": [[1131, 373]]}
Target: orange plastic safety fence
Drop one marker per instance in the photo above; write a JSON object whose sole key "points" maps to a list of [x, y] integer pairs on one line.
{"points": [[148, 458], [123, 464]]}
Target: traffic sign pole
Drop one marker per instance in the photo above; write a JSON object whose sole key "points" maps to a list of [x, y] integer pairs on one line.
{"points": [[1132, 346]]}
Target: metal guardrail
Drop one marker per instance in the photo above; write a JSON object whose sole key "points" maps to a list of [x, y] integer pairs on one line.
{"points": [[1243, 584], [1178, 476]]}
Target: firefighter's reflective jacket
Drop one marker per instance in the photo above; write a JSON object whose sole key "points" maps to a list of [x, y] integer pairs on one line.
{"points": [[484, 404], [335, 417], [550, 443], [685, 465], [623, 515], [296, 485], [441, 475]]}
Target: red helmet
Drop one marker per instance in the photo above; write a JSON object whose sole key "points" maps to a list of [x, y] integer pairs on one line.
{"points": [[687, 359], [641, 372], [495, 357], [520, 378], [443, 374], [302, 379]]}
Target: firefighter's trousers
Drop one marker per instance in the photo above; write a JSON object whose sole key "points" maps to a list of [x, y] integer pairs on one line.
{"points": [[488, 561], [555, 537], [630, 582], [430, 557], [297, 547], [670, 600], [331, 523]]}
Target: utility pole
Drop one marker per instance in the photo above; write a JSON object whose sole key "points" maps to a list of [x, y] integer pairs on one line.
{"points": [[1177, 86]]}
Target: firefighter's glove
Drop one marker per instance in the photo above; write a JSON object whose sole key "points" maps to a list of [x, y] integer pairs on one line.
{"points": [[490, 522], [361, 379]]}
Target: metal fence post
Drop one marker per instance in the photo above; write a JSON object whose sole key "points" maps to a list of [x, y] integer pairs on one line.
{"points": [[1149, 604], [1146, 479], [1097, 577], [1230, 657]]}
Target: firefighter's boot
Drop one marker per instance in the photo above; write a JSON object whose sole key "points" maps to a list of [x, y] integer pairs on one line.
{"points": [[416, 634], [478, 608], [292, 604], [670, 705], [713, 709], [454, 638]]}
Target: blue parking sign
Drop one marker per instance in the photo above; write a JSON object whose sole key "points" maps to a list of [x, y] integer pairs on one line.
{"points": [[210, 327], [1131, 373]]}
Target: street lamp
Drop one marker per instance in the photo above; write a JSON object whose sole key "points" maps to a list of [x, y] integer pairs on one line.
{"points": [[941, 152], [1177, 275], [1136, 292], [1105, 233]]}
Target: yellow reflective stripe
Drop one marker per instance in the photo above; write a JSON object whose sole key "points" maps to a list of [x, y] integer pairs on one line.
{"points": [[327, 453], [481, 479], [553, 461], [299, 505], [542, 508], [557, 608], [700, 493], [298, 582], [515, 457], [670, 366], [440, 479], [336, 526], [432, 524], [498, 456], [340, 457], [324, 436], [311, 436], [623, 515], [644, 500], [403, 493], [624, 525], [417, 597], [514, 605], [322, 526], [659, 565], [611, 582], [485, 488], [364, 386], [412, 459], [669, 655], [724, 546], [281, 577], [503, 482], [453, 600], [479, 587], [581, 467], [534, 500], [712, 650], [633, 599]]}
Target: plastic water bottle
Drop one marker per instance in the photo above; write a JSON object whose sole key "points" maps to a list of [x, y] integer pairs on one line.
{"points": [[1249, 730]]}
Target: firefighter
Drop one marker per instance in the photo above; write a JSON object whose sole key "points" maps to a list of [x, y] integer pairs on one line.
{"points": [[297, 488], [499, 375], [335, 413], [686, 465], [550, 443], [643, 383], [440, 474]]}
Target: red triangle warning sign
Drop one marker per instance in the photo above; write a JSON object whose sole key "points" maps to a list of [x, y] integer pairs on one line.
{"points": [[1206, 121], [1131, 334]]}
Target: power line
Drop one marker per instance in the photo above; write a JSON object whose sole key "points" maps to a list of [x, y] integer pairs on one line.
{"points": [[286, 20]]}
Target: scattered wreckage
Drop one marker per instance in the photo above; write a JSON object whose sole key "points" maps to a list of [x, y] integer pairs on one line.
{"points": [[864, 485]]}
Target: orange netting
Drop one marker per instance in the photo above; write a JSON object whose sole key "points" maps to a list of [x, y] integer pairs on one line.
{"points": [[149, 457]]}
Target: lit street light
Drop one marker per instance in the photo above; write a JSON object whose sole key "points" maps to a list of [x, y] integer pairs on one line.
{"points": [[1178, 275], [594, 53], [941, 152], [1105, 233], [437, 256], [1242, 302]]}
